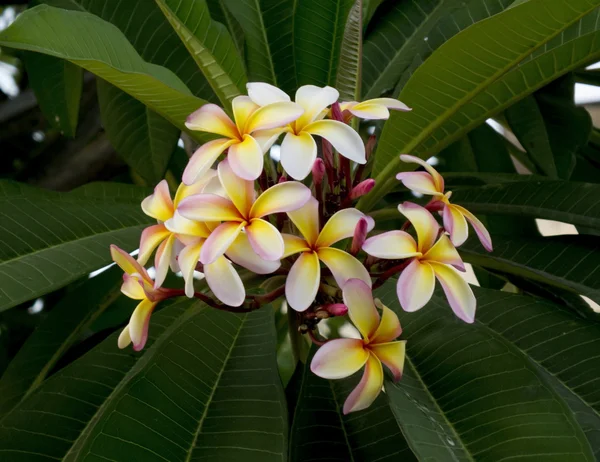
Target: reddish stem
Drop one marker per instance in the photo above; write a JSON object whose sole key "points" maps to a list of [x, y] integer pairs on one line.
{"points": [[391, 272], [315, 340]]}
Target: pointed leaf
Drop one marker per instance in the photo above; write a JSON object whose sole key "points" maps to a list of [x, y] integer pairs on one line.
{"points": [[350, 67]]}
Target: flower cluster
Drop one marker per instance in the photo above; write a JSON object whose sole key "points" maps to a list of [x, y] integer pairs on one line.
{"points": [[243, 215]]}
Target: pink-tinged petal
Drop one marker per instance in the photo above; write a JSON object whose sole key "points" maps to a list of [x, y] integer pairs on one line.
{"points": [[264, 93], [361, 308], [444, 251], [389, 328], [159, 205], [367, 389], [425, 225], [302, 283], [341, 226], [391, 245], [343, 266], [198, 187], [392, 355], [314, 100], [124, 338], [283, 197], [225, 282], [162, 260], [342, 137], [188, 259], [339, 358], [246, 159], [306, 219], [203, 159], [273, 116], [455, 224], [139, 322], [241, 252], [368, 111], [243, 107], [293, 245], [265, 239], [151, 237], [415, 286], [132, 287], [298, 153], [177, 248], [219, 241], [212, 119], [209, 207], [437, 178], [126, 262], [390, 103], [421, 182], [185, 227], [457, 290], [266, 138], [241, 192], [482, 232]]}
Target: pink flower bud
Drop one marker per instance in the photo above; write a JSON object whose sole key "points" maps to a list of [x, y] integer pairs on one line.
{"points": [[318, 171], [336, 112], [362, 188], [335, 309], [360, 235], [282, 179]]}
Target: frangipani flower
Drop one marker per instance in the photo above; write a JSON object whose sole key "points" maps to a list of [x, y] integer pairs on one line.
{"points": [[299, 149], [243, 212], [342, 357], [245, 150], [304, 278], [373, 109], [455, 217], [138, 285], [431, 259]]}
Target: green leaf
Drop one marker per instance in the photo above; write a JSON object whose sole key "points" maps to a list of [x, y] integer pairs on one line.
{"points": [[205, 386], [472, 395], [142, 138], [64, 326], [101, 48], [318, 32], [570, 202], [445, 109], [221, 14], [210, 45], [350, 67], [51, 239], [57, 86]]}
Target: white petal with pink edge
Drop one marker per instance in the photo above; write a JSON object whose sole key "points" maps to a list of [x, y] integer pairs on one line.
{"points": [[368, 388], [225, 282], [293, 244], [264, 93], [425, 225], [314, 100], [139, 322], [457, 290], [203, 159], [444, 252], [283, 197], [421, 182], [302, 283], [359, 299], [389, 328], [341, 226], [212, 119], [124, 338], [390, 103], [342, 137], [188, 259], [241, 252], [239, 191], [266, 138], [437, 178], [482, 232], [273, 116], [198, 187], [265, 239], [151, 237], [219, 241], [246, 159], [415, 286], [159, 205], [162, 260], [183, 226], [391, 245], [455, 224], [306, 219], [127, 263], [369, 111], [243, 107], [209, 207], [339, 358], [132, 287], [298, 153], [343, 266], [391, 354]]}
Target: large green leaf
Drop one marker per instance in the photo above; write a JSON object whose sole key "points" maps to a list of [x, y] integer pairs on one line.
{"points": [[472, 395], [210, 45], [488, 81], [142, 138], [350, 66], [64, 326], [206, 386], [220, 13], [50, 239], [98, 46]]}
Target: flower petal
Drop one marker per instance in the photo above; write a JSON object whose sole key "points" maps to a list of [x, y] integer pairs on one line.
{"points": [[390, 103], [437, 178], [246, 158], [124, 338], [425, 225], [212, 119], [368, 388], [188, 259], [264, 93], [361, 308], [198, 187], [209, 207], [455, 224], [241, 192], [243, 107], [314, 100], [341, 226], [162, 260], [368, 111], [283, 197], [265, 239], [219, 241], [272, 116], [415, 286], [203, 159], [127, 263], [151, 237], [342, 137], [389, 328], [241, 252], [138, 324], [482, 232], [444, 252], [181, 225], [293, 244], [306, 219], [298, 153], [339, 358], [159, 205], [302, 283], [132, 287], [225, 282], [421, 182], [457, 290], [266, 138], [391, 245], [392, 355], [343, 266]]}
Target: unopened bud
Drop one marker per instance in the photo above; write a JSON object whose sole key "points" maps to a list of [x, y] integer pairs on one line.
{"points": [[282, 179], [360, 235], [335, 309], [318, 171], [362, 188], [321, 314], [336, 112]]}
